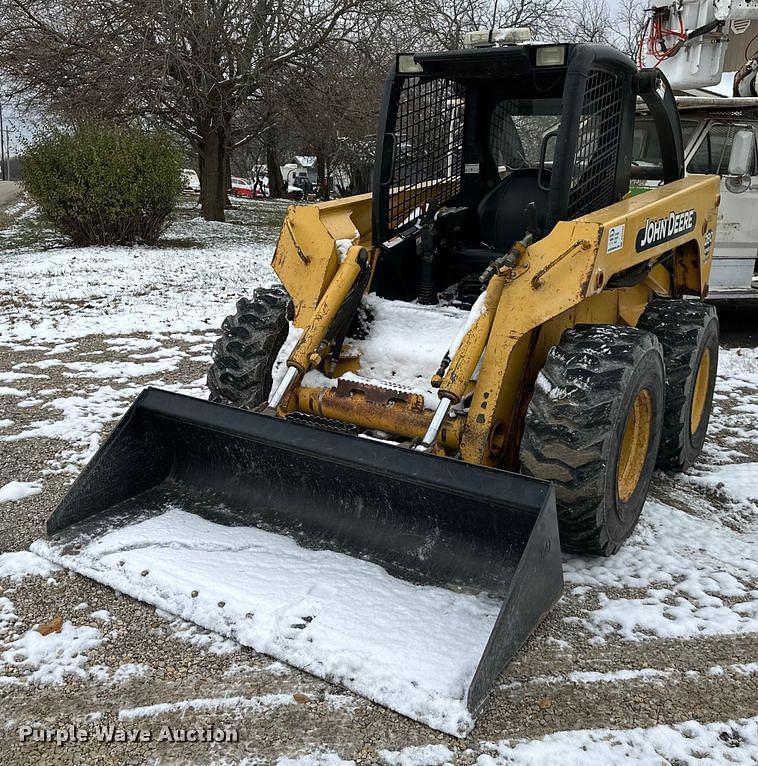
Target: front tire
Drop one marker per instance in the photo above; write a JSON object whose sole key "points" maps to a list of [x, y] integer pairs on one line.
{"points": [[593, 428], [244, 355]]}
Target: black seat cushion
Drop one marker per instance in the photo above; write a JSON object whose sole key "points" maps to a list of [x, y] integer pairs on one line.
{"points": [[502, 211]]}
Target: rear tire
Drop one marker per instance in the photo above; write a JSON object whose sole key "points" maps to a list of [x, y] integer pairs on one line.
{"points": [[593, 428], [689, 334], [244, 355]]}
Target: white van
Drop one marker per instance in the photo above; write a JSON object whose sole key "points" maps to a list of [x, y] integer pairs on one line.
{"points": [[191, 180]]}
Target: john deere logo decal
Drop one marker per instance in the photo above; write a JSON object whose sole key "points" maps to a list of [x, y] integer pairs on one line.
{"points": [[659, 230]]}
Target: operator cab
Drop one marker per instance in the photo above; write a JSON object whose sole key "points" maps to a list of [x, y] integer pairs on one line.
{"points": [[482, 149]]}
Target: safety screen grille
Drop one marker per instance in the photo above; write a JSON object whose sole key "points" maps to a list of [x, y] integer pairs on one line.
{"points": [[428, 148], [593, 179]]}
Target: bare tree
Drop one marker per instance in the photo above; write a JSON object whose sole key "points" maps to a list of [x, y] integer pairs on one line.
{"points": [[627, 24], [191, 65], [588, 21], [442, 24]]}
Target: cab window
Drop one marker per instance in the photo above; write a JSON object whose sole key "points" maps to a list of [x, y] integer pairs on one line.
{"points": [[712, 156]]}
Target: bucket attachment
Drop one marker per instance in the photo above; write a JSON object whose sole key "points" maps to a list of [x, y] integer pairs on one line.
{"points": [[408, 578]]}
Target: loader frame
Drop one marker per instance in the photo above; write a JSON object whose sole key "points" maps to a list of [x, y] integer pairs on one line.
{"points": [[594, 265]]}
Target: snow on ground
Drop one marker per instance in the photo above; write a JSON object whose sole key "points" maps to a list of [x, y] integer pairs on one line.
{"points": [[315, 759], [20, 564], [14, 491], [733, 742], [206, 641], [372, 633], [425, 755], [184, 286], [738, 481], [50, 658], [699, 579], [690, 570], [264, 702]]}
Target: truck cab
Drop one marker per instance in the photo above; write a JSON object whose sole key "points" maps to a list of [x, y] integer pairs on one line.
{"points": [[720, 136]]}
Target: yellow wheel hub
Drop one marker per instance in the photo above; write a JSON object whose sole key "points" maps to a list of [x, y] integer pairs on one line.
{"points": [[634, 445], [700, 392]]}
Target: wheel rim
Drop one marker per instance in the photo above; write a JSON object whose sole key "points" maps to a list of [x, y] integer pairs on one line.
{"points": [[700, 392], [634, 445]]}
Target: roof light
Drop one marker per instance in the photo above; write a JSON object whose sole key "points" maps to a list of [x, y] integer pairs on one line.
{"points": [[407, 64], [551, 55], [487, 38]]}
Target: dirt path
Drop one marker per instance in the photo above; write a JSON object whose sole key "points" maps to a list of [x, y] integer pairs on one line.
{"points": [[9, 192]]}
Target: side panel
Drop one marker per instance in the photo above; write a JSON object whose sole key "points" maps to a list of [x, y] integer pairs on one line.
{"points": [[570, 270], [306, 256]]}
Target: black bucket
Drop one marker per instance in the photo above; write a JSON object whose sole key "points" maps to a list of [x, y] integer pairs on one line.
{"points": [[427, 521]]}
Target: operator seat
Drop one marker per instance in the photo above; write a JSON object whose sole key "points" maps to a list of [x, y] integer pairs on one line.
{"points": [[502, 214], [502, 211]]}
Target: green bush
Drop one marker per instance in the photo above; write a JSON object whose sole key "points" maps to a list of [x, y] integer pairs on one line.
{"points": [[104, 185]]}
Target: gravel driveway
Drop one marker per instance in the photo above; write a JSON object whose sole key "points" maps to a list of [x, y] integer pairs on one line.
{"points": [[649, 657]]}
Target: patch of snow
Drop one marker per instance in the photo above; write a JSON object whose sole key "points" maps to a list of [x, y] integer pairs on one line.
{"points": [[130, 670], [49, 659], [103, 615], [274, 668], [20, 564], [201, 639], [404, 347], [317, 758], [372, 633], [738, 481], [5, 423], [734, 742], [342, 246], [126, 344], [424, 755], [699, 579], [406, 344], [547, 388], [8, 377], [593, 677], [341, 701], [261, 702], [14, 491], [119, 371], [83, 418], [31, 402], [177, 289], [9, 391]]}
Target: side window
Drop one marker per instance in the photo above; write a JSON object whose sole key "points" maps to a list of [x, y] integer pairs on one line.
{"points": [[712, 156], [517, 128]]}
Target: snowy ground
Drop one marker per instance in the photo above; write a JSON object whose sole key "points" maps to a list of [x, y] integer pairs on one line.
{"points": [[650, 657]]}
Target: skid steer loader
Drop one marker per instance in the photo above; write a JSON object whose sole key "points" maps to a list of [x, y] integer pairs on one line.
{"points": [[479, 363]]}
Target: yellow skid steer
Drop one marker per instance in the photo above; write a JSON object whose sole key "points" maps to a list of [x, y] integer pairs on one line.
{"points": [[479, 363]]}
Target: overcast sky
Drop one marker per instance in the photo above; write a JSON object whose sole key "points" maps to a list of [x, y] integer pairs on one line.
{"points": [[18, 127]]}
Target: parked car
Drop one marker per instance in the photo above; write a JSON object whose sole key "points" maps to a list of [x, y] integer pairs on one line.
{"points": [[191, 180], [241, 187]]}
